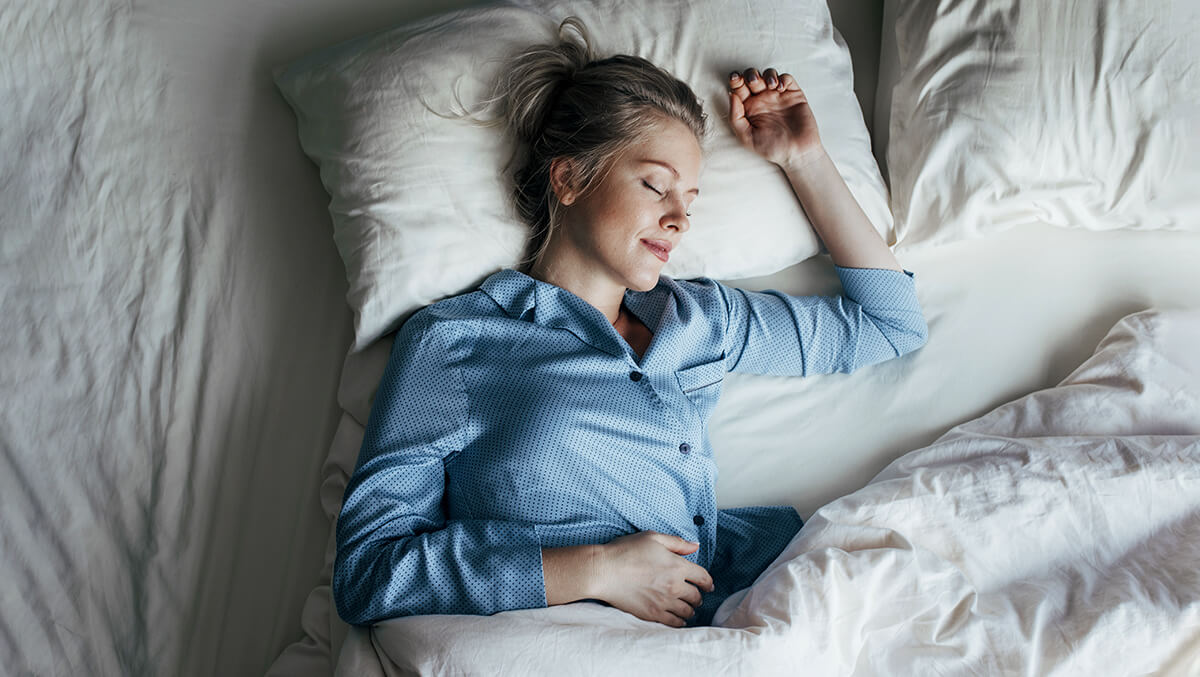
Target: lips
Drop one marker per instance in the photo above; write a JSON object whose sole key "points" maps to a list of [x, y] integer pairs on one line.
{"points": [[660, 248]]}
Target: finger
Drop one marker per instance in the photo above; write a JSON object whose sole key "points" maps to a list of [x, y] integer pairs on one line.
{"points": [[738, 86], [692, 595], [753, 80], [700, 577], [672, 620], [737, 119], [791, 97], [771, 78], [675, 544], [683, 610], [788, 82]]}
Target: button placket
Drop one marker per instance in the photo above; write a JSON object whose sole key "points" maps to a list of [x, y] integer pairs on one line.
{"points": [[683, 425]]}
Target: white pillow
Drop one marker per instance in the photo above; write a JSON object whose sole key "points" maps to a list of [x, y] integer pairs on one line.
{"points": [[1078, 113], [421, 209]]}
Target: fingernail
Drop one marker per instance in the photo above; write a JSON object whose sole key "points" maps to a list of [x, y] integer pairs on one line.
{"points": [[752, 77], [735, 75], [770, 81]]}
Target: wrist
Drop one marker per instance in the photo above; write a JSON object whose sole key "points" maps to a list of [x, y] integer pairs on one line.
{"points": [[571, 573], [594, 576], [806, 161]]}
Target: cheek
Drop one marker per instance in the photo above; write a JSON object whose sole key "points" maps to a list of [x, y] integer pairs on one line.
{"points": [[597, 229], [616, 208], [616, 218]]}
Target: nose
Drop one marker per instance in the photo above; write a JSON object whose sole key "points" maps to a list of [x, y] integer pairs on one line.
{"points": [[676, 217]]}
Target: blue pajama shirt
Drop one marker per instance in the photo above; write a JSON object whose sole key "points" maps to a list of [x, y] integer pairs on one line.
{"points": [[515, 418]]}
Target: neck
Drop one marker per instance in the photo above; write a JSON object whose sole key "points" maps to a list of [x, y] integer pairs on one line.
{"points": [[581, 280]]}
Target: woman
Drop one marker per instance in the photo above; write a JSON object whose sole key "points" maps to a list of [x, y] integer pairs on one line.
{"points": [[542, 440]]}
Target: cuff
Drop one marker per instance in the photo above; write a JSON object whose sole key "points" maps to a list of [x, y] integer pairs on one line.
{"points": [[880, 287]]}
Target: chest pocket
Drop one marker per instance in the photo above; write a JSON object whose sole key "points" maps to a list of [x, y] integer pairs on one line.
{"points": [[702, 384]]}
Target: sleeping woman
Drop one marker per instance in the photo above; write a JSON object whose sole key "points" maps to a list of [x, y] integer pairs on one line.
{"points": [[543, 439]]}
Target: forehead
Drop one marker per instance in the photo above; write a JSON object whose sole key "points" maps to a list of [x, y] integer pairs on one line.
{"points": [[669, 143]]}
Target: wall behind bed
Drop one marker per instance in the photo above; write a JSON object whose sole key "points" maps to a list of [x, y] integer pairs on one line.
{"points": [[860, 22]]}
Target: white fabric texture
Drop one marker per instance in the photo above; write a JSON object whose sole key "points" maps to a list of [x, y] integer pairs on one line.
{"points": [[1079, 113], [1055, 535], [421, 208], [172, 327]]}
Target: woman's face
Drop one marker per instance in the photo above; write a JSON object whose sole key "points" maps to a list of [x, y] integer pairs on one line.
{"points": [[626, 226]]}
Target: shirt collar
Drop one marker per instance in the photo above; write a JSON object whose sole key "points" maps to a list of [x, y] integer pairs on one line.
{"points": [[512, 290], [552, 306]]}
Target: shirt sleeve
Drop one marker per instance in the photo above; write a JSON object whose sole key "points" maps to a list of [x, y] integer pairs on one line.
{"points": [[397, 554], [876, 319]]}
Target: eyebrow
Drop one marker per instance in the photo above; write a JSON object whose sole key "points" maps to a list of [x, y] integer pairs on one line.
{"points": [[674, 171]]}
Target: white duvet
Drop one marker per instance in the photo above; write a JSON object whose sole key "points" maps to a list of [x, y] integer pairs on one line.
{"points": [[1057, 535]]}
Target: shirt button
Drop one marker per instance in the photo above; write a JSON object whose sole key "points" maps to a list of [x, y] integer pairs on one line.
{"points": [[635, 376], [698, 520], [685, 448]]}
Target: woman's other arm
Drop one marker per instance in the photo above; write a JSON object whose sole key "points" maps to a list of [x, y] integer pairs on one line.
{"points": [[397, 553]]}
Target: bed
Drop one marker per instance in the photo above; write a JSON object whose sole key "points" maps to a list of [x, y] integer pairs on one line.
{"points": [[187, 367]]}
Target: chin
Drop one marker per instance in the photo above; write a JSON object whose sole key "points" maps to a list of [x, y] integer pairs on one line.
{"points": [[645, 282]]}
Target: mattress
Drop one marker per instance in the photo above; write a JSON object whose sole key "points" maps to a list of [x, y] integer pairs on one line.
{"points": [[175, 340]]}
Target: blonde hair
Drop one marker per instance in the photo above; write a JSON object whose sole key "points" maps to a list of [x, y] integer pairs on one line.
{"points": [[560, 101]]}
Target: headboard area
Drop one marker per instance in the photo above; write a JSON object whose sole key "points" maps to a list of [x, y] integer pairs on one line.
{"points": [[859, 22]]}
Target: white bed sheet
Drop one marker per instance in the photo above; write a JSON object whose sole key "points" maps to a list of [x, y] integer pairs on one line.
{"points": [[1009, 315], [173, 327]]}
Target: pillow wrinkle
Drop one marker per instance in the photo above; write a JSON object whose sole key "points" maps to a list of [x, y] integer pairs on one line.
{"points": [[1080, 114]]}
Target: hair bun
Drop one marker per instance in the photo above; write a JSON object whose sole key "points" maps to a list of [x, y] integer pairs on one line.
{"points": [[537, 76]]}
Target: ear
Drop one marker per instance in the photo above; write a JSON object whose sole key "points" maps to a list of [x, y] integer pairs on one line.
{"points": [[562, 180]]}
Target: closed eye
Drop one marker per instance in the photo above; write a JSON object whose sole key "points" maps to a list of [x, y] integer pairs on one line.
{"points": [[660, 193]]}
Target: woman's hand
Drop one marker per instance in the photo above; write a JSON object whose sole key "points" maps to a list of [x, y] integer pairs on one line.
{"points": [[771, 116], [645, 574]]}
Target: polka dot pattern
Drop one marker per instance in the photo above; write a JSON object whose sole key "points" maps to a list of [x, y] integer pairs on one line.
{"points": [[510, 419]]}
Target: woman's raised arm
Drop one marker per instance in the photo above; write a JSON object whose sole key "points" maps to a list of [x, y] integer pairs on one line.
{"points": [[878, 317], [770, 115]]}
